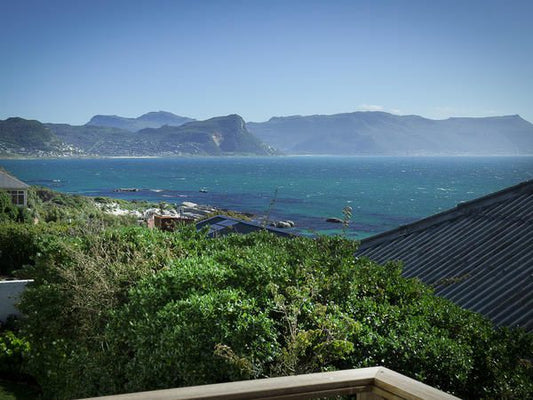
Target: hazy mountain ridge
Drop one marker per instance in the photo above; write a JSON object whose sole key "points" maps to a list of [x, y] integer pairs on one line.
{"points": [[381, 133], [154, 119], [358, 133]]}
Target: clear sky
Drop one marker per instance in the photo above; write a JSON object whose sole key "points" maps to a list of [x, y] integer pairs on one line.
{"points": [[65, 61]]}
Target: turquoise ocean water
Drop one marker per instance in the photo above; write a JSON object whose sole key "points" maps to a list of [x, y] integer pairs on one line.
{"points": [[384, 192]]}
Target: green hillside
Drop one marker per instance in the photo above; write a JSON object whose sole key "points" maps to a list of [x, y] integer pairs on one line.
{"points": [[20, 136], [216, 136], [219, 135]]}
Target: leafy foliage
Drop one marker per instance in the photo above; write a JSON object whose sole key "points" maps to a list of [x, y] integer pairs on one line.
{"points": [[8, 211], [18, 245], [130, 309], [63, 214], [116, 309], [12, 349], [51, 206]]}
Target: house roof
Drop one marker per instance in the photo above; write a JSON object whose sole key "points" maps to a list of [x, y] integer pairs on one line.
{"points": [[221, 225], [10, 182], [478, 254]]}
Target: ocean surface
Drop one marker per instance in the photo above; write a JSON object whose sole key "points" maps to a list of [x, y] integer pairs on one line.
{"points": [[384, 192]]}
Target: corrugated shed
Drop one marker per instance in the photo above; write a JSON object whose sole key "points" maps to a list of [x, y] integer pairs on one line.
{"points": [[10, 182], [221, 225], [478, 254]]}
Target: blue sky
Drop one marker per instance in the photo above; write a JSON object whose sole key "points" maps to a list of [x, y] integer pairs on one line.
{"points": [[65, 61]]}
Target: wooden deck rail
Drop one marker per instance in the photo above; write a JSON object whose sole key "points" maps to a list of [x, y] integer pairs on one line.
{"points": [[375, 383]]}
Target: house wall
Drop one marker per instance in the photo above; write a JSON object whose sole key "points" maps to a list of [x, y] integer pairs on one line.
{"points": [[10, 292]]}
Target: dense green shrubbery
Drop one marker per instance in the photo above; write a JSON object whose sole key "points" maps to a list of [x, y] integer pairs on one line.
{"points": [[51, 206], [64, 214], [12, 350], [132, 309], [8, 211], [19, 243], [45, 205]]}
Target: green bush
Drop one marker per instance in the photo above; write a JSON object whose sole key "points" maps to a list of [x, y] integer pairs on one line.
{"points": [[8, 211], [12, 350], [131, 309], [51, 206], [19, 244], [203, 337]]}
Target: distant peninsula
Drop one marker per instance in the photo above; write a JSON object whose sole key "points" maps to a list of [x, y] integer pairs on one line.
{"points": [[380, 133], [164, 134], [161, 134]]}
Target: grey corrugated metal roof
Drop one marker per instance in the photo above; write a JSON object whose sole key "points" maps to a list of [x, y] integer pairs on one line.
{"points": [[478, 254], [221, 225], [10, 182]]}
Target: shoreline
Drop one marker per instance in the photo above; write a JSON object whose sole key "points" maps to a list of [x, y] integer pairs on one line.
{"points": [[192, 156]]}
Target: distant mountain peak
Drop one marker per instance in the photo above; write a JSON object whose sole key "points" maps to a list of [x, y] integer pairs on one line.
{"points": [[214, 136], [153, 119], [153, 115]]}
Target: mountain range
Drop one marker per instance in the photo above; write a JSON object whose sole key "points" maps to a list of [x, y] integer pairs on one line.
{"points": [[161, 134], [380, 133], [358, 133]]}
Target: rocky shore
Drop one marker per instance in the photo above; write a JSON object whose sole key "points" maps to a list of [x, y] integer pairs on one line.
{"points": [[186, 210]]}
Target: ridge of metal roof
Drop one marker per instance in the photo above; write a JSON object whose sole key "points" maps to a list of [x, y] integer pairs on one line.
{"points": [[478, 254], [8, 181], [220, 225], [450, 214]]}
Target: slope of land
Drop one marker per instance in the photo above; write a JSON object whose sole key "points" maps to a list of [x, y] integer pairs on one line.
{"points": [[219, 135], [22, 137]]}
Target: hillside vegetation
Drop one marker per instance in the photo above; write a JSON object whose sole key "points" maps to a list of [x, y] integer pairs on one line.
{"points": [[122, 308], [20, 136]]}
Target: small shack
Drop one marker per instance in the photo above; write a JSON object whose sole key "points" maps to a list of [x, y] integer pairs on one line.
{"points": [[168, 222], [17, 189]]}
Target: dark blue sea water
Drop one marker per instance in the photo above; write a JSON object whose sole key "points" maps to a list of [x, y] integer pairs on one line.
{"points": [[384, 192]]}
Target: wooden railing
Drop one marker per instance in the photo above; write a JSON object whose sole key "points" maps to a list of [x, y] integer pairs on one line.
{"points": [[375, 383]]}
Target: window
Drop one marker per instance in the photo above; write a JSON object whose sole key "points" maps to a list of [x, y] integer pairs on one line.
{"points": [[17, 197]]}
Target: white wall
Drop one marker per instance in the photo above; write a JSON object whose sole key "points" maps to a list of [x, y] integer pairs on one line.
{"points": [[9, 295]]}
